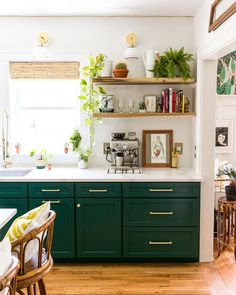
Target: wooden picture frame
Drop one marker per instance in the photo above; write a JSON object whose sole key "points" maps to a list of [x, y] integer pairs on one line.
{"points": [[157, 148], [215, 23], [224, 136]]}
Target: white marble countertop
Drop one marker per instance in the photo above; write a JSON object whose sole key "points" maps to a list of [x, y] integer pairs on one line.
{"points": [[6, 215], [100, 175]]}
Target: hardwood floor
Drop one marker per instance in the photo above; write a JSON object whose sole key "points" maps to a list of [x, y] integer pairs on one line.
{"points": [[216, 278]]}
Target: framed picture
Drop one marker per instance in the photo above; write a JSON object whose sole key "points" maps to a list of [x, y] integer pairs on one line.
{"points": [[224, 136], [150, 103], [157, 148], [221, 10]]}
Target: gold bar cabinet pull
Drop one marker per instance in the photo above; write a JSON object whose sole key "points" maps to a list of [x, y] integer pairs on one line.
{"points": [[152, 190], [98, 190], [161, 213], [160, 243], [78, 206], [50, 190], [52, 202]]}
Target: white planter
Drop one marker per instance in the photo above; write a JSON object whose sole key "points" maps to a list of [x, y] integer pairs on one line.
{"points": [[40, 164], [82, 164], [107, 70]]}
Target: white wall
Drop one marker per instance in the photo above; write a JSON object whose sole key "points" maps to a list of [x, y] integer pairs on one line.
{"points": [[105, 35]]}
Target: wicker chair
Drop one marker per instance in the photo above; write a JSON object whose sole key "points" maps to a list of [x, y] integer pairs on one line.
{"points": [[9, 279], [32, 272]]}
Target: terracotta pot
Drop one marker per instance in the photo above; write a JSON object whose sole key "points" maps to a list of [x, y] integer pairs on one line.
{"points": [[230, 192], [120, 73]]}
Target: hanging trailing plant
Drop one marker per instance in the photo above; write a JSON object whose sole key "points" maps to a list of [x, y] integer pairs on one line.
{"points": [[90, 95], [173, 63]]}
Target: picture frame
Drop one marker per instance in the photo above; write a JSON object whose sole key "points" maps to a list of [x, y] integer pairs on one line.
{"points": [[157, 147], [150, 103], [221, 10], [224, 136]]}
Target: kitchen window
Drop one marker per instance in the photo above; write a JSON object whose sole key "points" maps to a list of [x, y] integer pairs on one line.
{"points": [[43, 112]]}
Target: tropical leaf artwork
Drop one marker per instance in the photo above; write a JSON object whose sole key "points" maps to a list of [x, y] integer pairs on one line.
{"points": [[226, 74]]}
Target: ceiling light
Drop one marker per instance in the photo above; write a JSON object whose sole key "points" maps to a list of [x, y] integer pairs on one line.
{"points": [[131, 52], [41, 51]]}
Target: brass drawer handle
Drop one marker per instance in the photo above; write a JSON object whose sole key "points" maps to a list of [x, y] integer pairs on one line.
{"points": [[52, 202], [152, 190], [161, 213], [98, 190], [160, 243], [78, 206], [51, 190]]}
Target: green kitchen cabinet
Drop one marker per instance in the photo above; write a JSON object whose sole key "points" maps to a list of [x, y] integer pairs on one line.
{"points": [[21, 204], [64, 228], [98, 222], [13, 190]]}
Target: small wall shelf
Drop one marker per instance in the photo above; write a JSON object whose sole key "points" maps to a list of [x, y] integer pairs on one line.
{"points": [[135, 115], [142, 81]]}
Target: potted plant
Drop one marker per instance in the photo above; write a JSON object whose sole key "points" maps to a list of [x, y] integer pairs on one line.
{"points": [[43, 158], [173, 63], [83, 153], [230, 190], [121, 70]]}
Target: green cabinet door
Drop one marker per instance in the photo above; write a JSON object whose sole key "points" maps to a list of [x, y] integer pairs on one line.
{"points": [[64, 229], [21, 204], [98, 222]]}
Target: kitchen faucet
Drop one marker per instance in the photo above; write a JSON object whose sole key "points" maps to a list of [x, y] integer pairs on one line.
{"points": [[5, 140]]}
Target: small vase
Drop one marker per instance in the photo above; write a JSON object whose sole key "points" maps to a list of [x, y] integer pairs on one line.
{"points": [[82, 164], [40, 164], [230, 192]]}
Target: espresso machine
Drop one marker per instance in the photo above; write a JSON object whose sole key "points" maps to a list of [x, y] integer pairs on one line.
{"points": [[123, 154]]}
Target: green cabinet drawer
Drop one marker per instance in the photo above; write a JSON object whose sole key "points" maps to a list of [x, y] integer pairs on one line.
{"points": [[98, 189], [161, 212], [51, 189], [13, 190], [155, 242], [98, 222], [21, 204], [162, 189], [64, 228]]}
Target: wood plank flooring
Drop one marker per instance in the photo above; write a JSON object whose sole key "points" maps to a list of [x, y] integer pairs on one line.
{"points": [[216, 278]]}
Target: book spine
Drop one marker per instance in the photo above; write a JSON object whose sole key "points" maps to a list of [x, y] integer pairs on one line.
{"points": [[164, 100], [167, 100], [170, 100], [183, 104], [174, 101]]}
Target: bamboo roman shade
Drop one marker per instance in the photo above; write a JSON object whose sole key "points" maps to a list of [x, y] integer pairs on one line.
{"points": [[44, 70]]}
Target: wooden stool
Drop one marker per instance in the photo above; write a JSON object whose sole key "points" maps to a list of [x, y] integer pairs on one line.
{"points": [[226, 224], [9, 279]]}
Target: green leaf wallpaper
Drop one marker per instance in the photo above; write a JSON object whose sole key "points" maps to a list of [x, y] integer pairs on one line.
{"points": [[226, 74]]}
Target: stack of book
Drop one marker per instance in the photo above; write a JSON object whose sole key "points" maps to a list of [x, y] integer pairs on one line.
{"points": [[173, 101]]}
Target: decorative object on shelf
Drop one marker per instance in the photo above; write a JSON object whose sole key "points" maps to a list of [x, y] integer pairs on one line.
{"points": [[41, 51], [149, 62], [121, 104], [157, 148], [44, 156], [230, 190], [174, 160], [90, 96], [142, 107], [224, 136], [106, 103], [49, 166], [159, 105], [131, 52], [131, 135], [226, 73], [18, 147], [120, 70], [150, 103], [118, 135], [106, 72], [82, 153], [131, 105], [220, 13], [173, 63], [66, 147]]}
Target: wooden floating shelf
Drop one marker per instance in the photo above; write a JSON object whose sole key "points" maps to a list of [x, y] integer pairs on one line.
{"points": [[136, 115], [141, 81]]}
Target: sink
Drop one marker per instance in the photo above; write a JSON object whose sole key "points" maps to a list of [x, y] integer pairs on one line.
{"points": [[14, 172]]}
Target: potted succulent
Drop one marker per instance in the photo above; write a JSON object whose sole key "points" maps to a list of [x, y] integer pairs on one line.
{"points": [[230, 190], [83, 154], [43, 158], [120, 70]]}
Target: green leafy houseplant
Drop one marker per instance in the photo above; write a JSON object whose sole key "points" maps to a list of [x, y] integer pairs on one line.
{"points": [[43, 157], [173, 63], [89, 95], [230, 189]]}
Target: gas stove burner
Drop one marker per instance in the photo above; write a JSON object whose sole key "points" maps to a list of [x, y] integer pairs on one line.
{"points": [[124, 170]]}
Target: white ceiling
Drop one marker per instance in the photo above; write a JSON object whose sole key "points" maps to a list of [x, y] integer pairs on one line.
{"points": [[99, 7]]}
